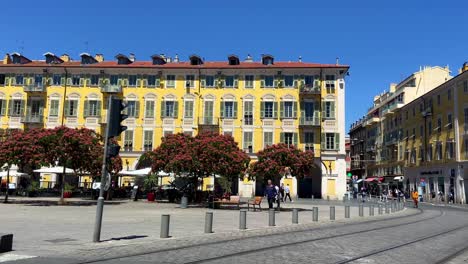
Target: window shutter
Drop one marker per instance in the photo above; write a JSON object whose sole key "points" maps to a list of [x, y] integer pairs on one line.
{"points": [[221, 109], [67, 107], [317, 83], [10, 107], [275, 110], [302, 105], [22, 108], [69, 81], [28, 107], [262, 109], [324, 112], [282, 109], [295, 136], [262, 81], [86, 108], [236, 81], [235, 110], [7, 80], [337, 141], [4, 106], [324, 141], [137, 109], [163, 109], [202, 81], [138, 82], [295, 109], [281, 137], [158, 82], [98, 108], [332, 109], [81, 81], [88, 80], [176, 109]]}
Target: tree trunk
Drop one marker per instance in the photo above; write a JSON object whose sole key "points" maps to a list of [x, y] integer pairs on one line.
{"points": [[7, 185]]}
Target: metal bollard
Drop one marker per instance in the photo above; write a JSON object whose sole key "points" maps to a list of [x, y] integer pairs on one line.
{"points": [[209, 222], [243, 219], [312, 197], [295, 216], [165, 219], [332, 213], [315, 214], [184, 202], [328, 198], [271, 217], [387, 209], [371, 210], [380, 209], [346, 211], [361, 210]]}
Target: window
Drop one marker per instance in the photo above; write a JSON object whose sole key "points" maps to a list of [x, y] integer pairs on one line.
{"points": [[450, 149], [308, 111], [189, 81], [449, 94], [406, 115], [54, 107], [429, 153], [413, 156], [2, 79], [465, 86], [309, 81], [466, 120], [133, 108], [71, 108], [330, 83], [19, 79], [414, 133], [329, 110], [132, 80], [16, 107], [3, 107], [75, 81], [429, 128], [247, 145], [149, 109], [209, 81], [331, 141], [466, 148], [309, 141], [288, 109], [289, 139], [148, 140], [449, 121], [421, 131], [414, 111], [229, 81], [169, 109], [92, 108], [114, 79], [170, 81], [268, 81], [249, 81], [188, 109], [94, 81], [421, 154], [153, 80], [228, 109], [288, 81], [439, 151], [57, 79], [438, 99], [268, 110], [248, 113], [267, 139], [439, 125], [208, 113], [128, 140]]}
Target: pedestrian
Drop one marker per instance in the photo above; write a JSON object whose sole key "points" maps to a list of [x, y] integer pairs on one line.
{"points": [[441, 196], [282, 192], [287, 192], [277, 197], [451, 197], [363, 194], [270, 193], [415, 197]]}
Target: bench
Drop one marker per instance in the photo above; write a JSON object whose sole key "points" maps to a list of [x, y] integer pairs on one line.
{"points": [[233, 200], [257, 201], [6, 242]]}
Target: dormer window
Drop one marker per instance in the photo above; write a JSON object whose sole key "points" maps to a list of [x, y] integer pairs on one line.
{"points": [[233, 60], [158, 60], [17, 58], [52, 58], [87, 59], [195, 60], [122, 59], [267, 60]]}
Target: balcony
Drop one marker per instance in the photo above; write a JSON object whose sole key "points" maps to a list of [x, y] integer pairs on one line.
{"points": [[34, 88], [208, 124], [309, 89], [34, 118], [310, 120], [110, 88]]}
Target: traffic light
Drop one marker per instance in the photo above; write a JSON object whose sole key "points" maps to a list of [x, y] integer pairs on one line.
{"points": [[116, 117]]}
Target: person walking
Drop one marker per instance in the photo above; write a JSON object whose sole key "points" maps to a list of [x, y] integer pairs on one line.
{"points": [[287, 192], [270, 193], [281, 190], [415, 197]]}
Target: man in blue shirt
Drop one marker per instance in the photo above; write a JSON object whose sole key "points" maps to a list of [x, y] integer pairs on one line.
{"points": [[270, 193]]}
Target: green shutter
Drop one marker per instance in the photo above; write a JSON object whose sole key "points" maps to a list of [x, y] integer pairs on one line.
{"points": [[22, 108], [7, 80], [332, 110], [316, 83], [3, 107], [324, 141], [275, 110], [10, 107], [236, 81], [176, 109], [302, 109], [137, 109], [337, 141], [235, 110], [316, 110], [295, 137], [86, 109], [262, 81], [28, 107], [69, 81], [294, 109], [262, 109], [81, 81], [221, 107], [158, 81], [202, 80], [98, 108], [163, 109], [281, 109], [324, 112], [67, 107]]}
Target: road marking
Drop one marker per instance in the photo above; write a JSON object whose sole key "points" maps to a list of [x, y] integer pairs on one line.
{"points": [[12, 257]]}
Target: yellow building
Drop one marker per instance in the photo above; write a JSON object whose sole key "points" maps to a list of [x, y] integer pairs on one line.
{"points": [[259, 103]]}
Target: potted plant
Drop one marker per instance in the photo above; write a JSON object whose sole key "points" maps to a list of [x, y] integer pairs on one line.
{"points": [[149, 183], [32, 189], [67, 191]]}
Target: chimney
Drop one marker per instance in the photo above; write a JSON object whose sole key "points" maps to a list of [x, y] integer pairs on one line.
{"points": [[176, 58], [131, 57], [464, 67], [99, 57], [392, 87], [65, 58], [300, 58], [249, 58], [7, 59]]}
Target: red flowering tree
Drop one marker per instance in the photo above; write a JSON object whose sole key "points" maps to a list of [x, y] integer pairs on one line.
{"points": [[273, 161]]}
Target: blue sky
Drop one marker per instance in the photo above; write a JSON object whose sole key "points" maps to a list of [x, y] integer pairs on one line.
{"points": [[382, 41]]}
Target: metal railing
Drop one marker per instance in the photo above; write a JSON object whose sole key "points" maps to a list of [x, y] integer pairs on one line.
{"points": [[37, 87], [110, 88]]}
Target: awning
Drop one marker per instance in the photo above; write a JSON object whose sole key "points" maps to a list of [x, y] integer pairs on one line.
{"points": [[370, 179]]}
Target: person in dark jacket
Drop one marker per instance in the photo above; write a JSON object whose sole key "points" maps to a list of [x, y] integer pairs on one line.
{"points": [[270, 193]]}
